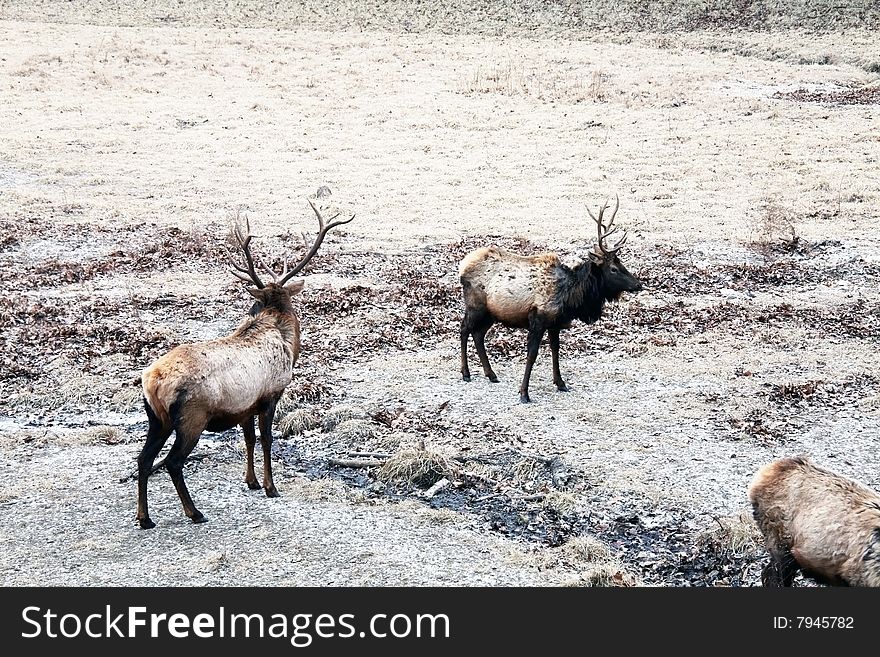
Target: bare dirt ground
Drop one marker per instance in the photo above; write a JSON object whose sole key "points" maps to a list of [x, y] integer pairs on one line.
{"points": [[747, 165]]}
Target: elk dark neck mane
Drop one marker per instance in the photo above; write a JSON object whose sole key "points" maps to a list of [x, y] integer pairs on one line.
{"points": [[580, 292]]}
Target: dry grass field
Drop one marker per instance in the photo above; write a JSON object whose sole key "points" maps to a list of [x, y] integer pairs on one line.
{"points": [[747, 162]]}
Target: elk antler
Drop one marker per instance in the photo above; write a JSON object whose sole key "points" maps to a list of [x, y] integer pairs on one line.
{"points": [[323, 229], [605, 230], [248, 275]]}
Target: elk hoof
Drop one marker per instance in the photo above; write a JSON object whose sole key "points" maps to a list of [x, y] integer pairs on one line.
{"points": [[465, 377], [146, 523], [524, 399], [272, 492], [253, 485], [561, 387], [493, 378], [199, 518]]}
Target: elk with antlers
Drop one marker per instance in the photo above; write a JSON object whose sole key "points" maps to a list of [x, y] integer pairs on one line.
{"points": [[228, 381], [538, 293]]}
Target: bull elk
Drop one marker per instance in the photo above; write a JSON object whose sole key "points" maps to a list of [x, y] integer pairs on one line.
{"points": [[539, 293], [817, 522], [227, 381]]}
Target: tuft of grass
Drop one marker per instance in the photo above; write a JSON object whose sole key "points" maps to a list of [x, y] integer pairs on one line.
{"points": [[733, 536], [297, 422], [560, 502], [774, 229], [422, 467], [355, 431], [339, 414], [607, 574], [585, 549], [440, 516], [388, 443], [105, 434]]}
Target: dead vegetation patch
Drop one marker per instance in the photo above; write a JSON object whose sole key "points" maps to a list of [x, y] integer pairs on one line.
{"points": [[869, 95], [148, 247], [414, 301], [297, 422], [818, 393]]}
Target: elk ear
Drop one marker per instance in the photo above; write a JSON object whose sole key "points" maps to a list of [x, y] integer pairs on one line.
{"points": [[597, 258], [256, 292], [296, 286]]}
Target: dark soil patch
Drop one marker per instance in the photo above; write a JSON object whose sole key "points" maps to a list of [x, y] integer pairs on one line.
{"points": [[661, 545]]}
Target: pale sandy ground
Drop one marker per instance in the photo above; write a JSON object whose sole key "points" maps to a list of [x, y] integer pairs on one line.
{"points": [[428, 138]]}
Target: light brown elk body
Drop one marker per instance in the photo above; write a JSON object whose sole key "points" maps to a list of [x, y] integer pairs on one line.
{"points": [[229, 381], [538, 293], [818, 522]]}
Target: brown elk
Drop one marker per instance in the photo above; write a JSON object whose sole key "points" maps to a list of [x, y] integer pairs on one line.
{"points": [[539, 293], [816, 521], [227, 381]]}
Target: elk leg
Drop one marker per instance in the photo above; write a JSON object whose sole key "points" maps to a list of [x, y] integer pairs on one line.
{"points": [[250, 439], [466, 327], [157, 434], [184, 443], [266, 441], [536, 334], [553, 336], [480, 344]]}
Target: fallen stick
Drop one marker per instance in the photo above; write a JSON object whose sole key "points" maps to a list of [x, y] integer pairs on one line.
{"points": [[537, 457], [356, 463], [371, 455], [436, 488]]}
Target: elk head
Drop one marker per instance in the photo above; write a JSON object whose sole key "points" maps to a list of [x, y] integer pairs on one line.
{"points": [[277, 292], [615, 278]]}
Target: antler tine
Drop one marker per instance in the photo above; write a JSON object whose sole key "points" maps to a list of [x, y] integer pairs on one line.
{"points": [[243, 277], [605, 230], [619, 243], [323, 228], [598, 221], [610, 222], [267, 269], [248, 275], [608, 233], [613, 212]]}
